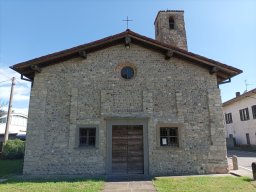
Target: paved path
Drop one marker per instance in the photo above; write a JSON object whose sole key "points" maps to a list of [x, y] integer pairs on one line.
{"points": [[244, 158], [129, 186], [241, 172], [145, 186]]}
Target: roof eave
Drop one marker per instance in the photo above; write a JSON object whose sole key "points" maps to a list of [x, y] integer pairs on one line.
{"points": [[24, 68], [235, 99]]}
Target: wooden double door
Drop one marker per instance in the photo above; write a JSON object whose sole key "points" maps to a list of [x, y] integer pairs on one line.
{"points": [[127, 149]]}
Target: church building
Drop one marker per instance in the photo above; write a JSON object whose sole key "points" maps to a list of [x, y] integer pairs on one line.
{"points": [[127, 105]]}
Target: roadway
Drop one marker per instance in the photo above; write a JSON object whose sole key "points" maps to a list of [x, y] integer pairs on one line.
{"points": [[244, 158]]}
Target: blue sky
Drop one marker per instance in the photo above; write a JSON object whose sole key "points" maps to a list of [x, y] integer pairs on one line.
{"points": [[221, 30]]}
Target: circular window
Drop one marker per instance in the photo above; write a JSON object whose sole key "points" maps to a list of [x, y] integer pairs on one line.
{"points": [[127, 72]]}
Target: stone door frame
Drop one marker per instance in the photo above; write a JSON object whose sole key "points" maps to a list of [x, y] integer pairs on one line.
{"points": [[127, 121]]}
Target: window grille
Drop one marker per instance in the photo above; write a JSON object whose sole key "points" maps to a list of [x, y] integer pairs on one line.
{"points": [[169, 136], [87, 136]]}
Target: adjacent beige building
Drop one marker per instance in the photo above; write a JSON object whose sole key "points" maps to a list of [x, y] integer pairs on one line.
{"points": [[127, 104], [240, 118]]}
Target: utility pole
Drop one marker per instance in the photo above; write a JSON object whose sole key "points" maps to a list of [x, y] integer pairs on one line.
{"points": [[6, 134]]}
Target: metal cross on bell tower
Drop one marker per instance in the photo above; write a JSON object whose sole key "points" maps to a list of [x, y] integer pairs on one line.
{"points": [[127, 22]]}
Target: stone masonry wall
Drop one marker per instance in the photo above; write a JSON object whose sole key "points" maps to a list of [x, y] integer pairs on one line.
{"points": [[175, 37], [82, 92]]}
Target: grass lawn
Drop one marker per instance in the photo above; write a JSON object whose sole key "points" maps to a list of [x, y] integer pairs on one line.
{"points": [[49, 186], [10, 167], [205, 184]]}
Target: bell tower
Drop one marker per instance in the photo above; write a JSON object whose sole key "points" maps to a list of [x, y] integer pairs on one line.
{"points": [[170, 28]]}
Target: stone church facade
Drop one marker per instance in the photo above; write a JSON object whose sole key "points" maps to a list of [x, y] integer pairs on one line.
{"points": [[127, 104]]}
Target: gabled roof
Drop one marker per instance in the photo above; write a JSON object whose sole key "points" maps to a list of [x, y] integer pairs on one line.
{"points": [[240, 97], [28, 68]]}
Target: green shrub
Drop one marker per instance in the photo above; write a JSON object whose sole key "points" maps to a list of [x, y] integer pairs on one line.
{"points": [[13, 149]]}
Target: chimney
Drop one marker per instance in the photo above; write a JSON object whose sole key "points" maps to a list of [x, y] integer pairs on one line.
{"points": [[237, 94]]}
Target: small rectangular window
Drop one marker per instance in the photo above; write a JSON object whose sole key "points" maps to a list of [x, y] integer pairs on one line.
{"points": [[87, 136], [228, 118], [254, 111], [169, 136], [244, 114], [171, 23]]}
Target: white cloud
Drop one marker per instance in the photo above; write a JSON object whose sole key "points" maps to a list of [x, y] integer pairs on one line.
{"points": [[21, 97], [18, 110], [7, 74], [4, 93], [21, 89], [21, 110], [20, 93]]}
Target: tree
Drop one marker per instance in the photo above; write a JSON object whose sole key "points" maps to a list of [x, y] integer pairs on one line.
{"points": [[2, 105]]}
